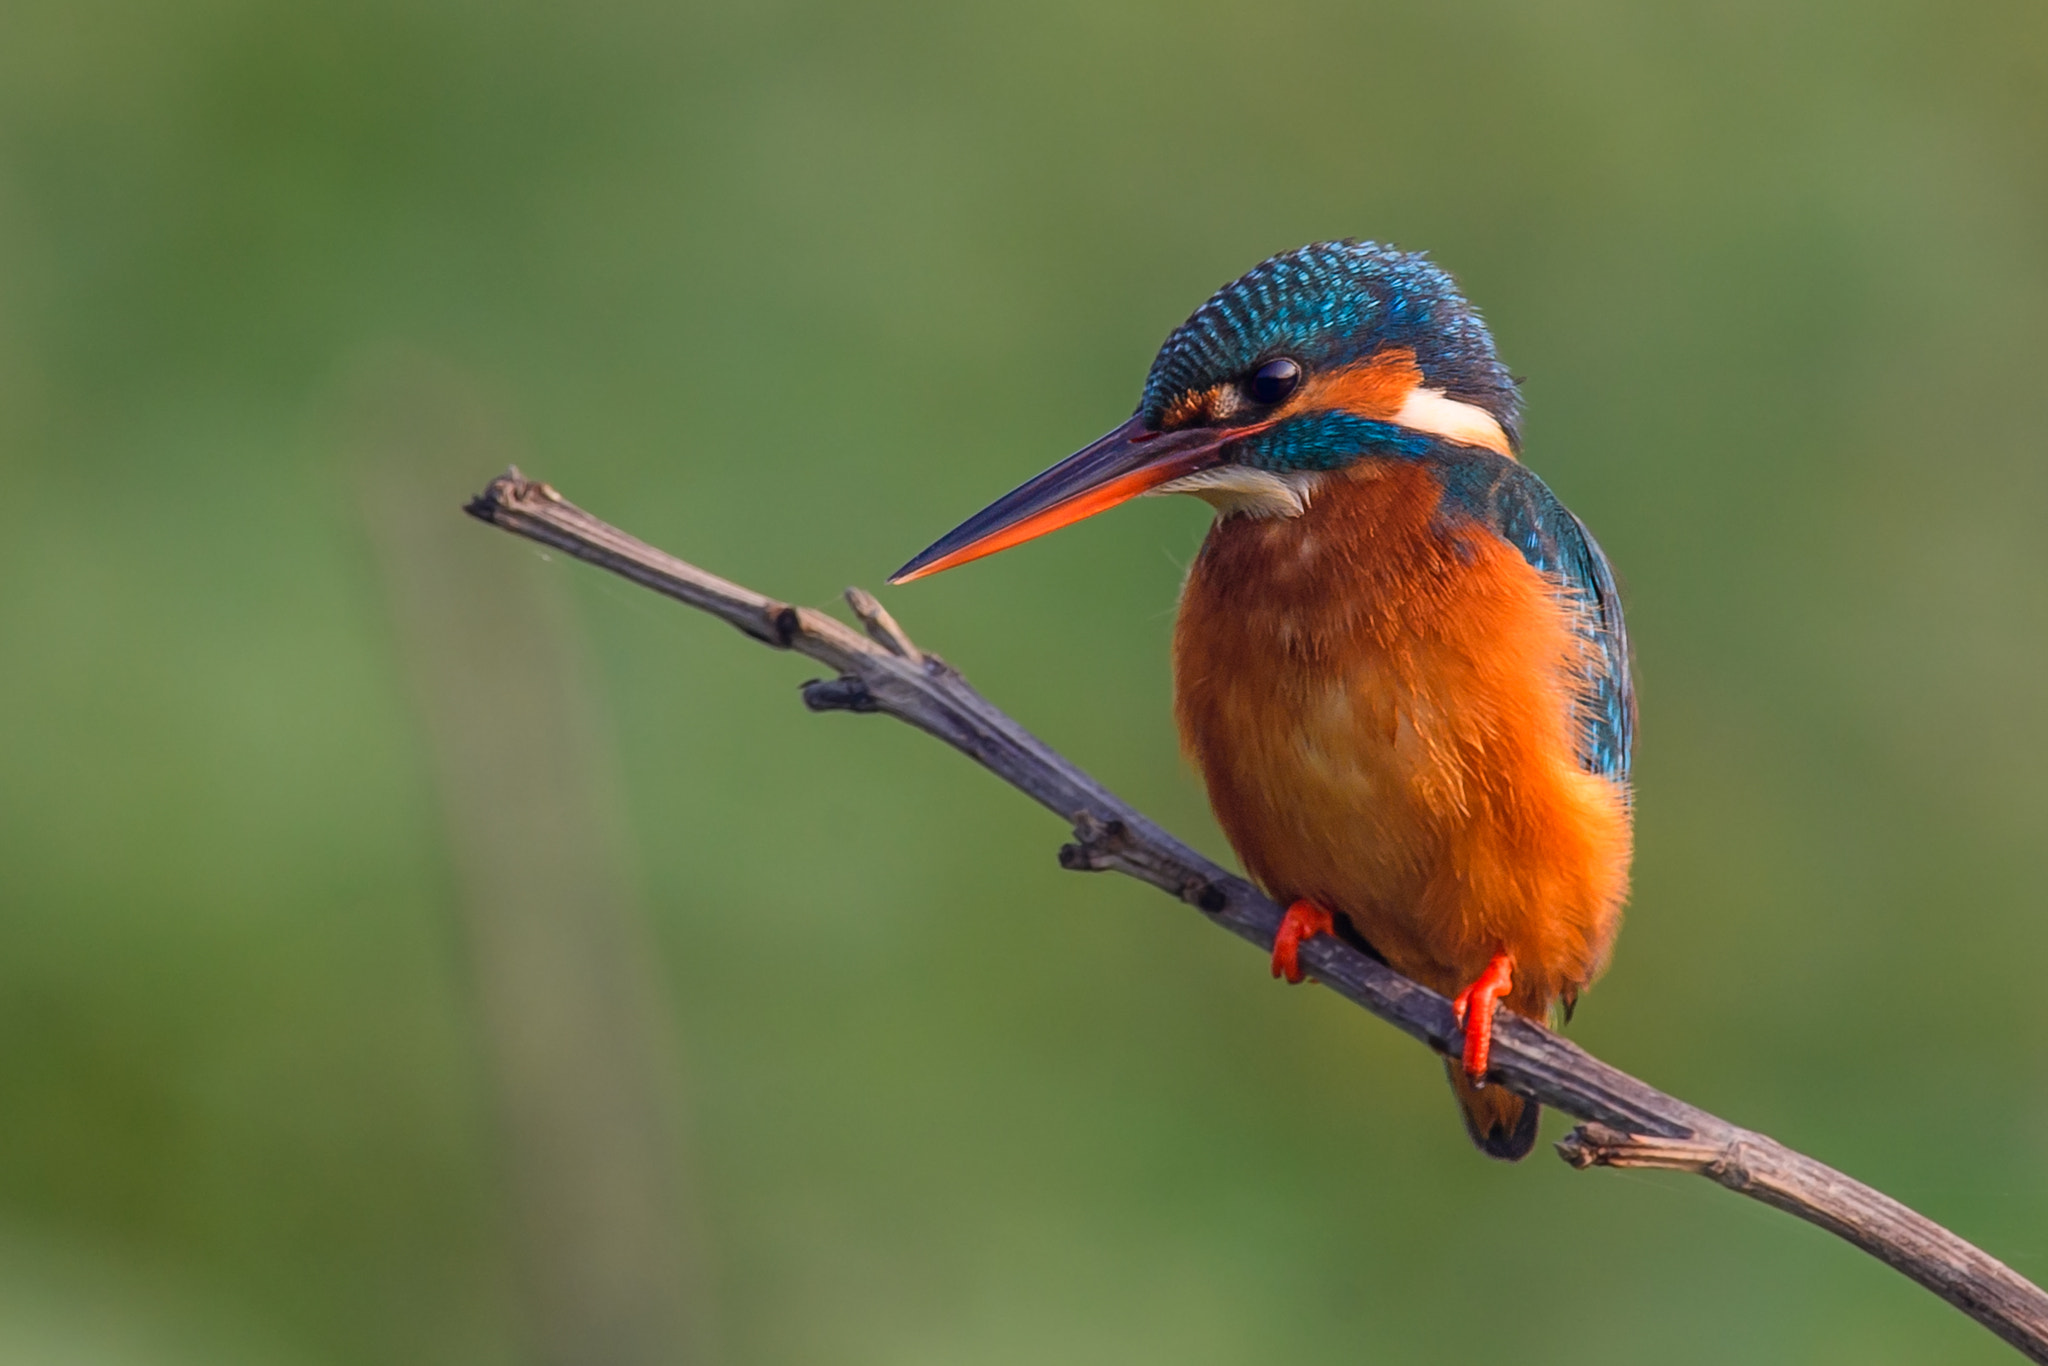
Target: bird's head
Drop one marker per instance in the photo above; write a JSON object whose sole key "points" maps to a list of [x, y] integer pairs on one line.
{"points": [[1310, 361]]}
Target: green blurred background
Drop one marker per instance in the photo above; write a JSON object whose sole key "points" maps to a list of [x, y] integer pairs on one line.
{"points": [[790, 288]]}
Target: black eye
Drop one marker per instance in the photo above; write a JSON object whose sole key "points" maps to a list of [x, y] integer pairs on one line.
{"points": [[1274, 381]]}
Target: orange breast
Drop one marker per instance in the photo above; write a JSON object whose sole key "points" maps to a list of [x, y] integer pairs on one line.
{"points": [[1381, 706]]}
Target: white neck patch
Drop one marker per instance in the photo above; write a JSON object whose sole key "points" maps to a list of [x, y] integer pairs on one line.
{"points": [[1428, 410]]}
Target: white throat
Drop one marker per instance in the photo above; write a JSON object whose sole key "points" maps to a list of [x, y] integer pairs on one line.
{"points": [[1233, 489]]}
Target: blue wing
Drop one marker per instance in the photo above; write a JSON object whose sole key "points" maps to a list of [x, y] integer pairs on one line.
{"points": [[1523, 511], [1607, 708]]}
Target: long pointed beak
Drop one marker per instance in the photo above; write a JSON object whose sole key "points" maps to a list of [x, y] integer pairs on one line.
{"points": [[1108, 471]]}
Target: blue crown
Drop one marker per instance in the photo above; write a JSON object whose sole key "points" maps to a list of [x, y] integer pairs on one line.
{"points": [[1330, 304]]}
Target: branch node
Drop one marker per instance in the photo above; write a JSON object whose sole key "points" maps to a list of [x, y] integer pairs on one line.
{"points": [[1205, 895], [939, 668], [1594, 1144], [845, 693], [786, 624], [1097, 843], [880, 626]]}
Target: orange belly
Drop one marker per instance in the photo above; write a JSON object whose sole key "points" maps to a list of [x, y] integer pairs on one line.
{"points": [[1381, 705]]}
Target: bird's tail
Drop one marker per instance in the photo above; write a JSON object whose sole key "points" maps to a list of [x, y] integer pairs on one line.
{"points": [[1501, 1123]]}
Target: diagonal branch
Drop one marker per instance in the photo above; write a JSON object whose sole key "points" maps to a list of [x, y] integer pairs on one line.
{"points": [[1627, 1123]]}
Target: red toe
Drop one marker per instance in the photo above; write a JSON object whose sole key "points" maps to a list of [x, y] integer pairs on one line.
{"points": [[1485, 992], [1304, 920]]}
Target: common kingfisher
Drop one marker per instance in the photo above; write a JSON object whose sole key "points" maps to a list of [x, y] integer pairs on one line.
{"points": [[1399, 663]]}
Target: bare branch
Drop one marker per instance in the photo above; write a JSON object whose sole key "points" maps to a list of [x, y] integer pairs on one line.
{"points": [[1627, 1123], [881, 627]]}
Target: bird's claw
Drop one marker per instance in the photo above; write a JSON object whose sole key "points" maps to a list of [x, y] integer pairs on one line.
{"points": [[1304, 920], [1486, 992]]}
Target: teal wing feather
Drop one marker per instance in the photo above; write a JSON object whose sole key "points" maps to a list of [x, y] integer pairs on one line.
{"points": [[1518, 507]]}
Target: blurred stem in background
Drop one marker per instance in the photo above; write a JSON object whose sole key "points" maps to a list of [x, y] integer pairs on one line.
{"points": [[576, 1025]]}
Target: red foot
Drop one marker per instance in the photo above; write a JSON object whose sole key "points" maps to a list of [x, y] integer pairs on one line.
{"points": [[1494, 983], [1304, 920]]}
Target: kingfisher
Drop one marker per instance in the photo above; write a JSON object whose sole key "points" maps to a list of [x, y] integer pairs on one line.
{"points": [[1399, 661]]}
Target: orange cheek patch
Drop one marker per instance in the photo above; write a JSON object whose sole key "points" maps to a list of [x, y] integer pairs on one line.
{"points": [[1375, 388]]}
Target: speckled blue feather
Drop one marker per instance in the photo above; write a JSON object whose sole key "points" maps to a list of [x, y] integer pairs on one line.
{"points": [[1327, 305]]}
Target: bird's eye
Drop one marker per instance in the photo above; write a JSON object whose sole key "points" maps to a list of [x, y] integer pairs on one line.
{"points": [[1274, 381]]}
